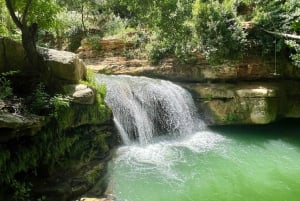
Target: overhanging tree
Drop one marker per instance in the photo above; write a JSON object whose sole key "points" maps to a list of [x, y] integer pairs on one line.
{"points": [[29, 15]]}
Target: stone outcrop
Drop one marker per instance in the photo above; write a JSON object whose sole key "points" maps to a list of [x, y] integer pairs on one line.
{"points": [[247, 102], [61, 66], [15, 123], [250, 68]]}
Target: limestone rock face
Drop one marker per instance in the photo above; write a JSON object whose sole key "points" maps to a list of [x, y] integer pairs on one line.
{"points": [[65, 66], [246, 103], [80, 93], [13, 125], [250, 68]]}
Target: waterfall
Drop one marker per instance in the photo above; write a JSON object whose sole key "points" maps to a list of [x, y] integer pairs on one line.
{"points": [[144, 108]]}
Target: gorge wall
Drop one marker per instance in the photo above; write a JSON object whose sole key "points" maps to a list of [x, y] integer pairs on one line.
{"points": [[254, 90], [60, 151]]}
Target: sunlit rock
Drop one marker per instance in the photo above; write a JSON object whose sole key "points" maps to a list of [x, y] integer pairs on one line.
{"points": [[62, 65], [80, 93]]}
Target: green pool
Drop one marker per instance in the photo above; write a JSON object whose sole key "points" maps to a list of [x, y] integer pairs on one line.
{"points": [[220, 164]]}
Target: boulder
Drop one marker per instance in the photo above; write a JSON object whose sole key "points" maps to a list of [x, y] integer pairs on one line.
{"points": [[80, 93], [62, 65]]}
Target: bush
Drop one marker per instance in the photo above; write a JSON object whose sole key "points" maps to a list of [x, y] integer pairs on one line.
{"points": [[158, 50], [94, 41], [5, 87], [40, 100], [220, 35]]}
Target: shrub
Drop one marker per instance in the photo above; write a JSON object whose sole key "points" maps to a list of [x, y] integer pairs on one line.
{"points": [[40, 100], [5, 87], [219, 33]]}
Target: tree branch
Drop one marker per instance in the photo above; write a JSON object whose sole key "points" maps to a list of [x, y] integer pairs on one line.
{"points": [[291, 36], [12, 14], [25, 13]]}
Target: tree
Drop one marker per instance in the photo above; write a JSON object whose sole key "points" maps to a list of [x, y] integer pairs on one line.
{"points": [[29, 15]]}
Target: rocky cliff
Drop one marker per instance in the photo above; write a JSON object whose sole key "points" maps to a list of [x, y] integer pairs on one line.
{"points": [[52, 146]]}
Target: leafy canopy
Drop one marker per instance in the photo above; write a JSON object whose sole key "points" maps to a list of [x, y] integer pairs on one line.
{"points": [[42, 12]]}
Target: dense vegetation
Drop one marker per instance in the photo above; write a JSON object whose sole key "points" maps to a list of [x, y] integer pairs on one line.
{"points": [[220, 29]]}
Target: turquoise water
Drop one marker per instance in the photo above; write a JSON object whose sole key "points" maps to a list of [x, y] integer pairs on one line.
{"points": [[223, 164]]}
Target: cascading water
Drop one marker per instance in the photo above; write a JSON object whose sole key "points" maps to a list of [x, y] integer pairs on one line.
{"points": [[145, 107], [232, 164]]}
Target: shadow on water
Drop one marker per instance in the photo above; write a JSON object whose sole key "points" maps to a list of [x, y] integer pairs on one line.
{"points": [[287, 130]]}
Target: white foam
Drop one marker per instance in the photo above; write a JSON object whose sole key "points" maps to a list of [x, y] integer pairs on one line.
{"points": [[163, 156]]}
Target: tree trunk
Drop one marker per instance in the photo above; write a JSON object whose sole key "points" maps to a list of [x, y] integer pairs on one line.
{"points": [[29, 44], [29, 34]]}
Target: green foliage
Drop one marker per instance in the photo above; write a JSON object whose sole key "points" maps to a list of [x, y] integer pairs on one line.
{"points": [[51, 148], [167, 20], [114, 26], [21, 190], [157, 50], [42, 12], [94, 40], [4, 156], [59, 103], [5, 86], [294, 56], [7, 27], [40, 103], [232, 117], [3, 19], [220, 35], [92, 175], [43, 104], [278, 16], [75, 35]]}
